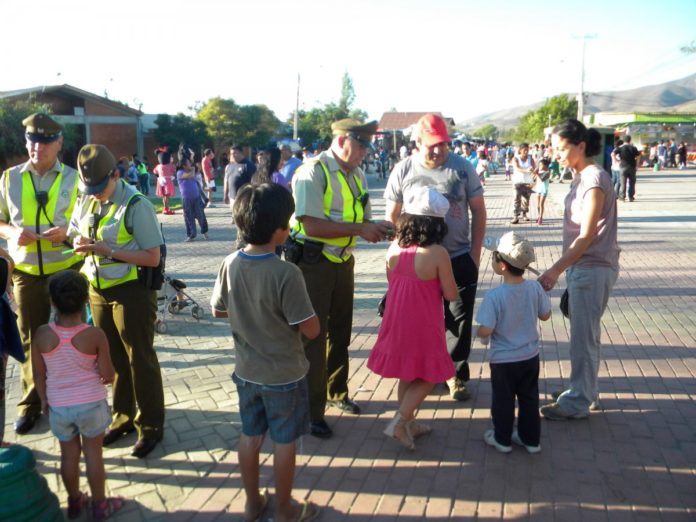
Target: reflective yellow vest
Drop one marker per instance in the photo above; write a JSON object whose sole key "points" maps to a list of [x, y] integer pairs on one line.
{"points": [[104, 272], [40, 257], [337, 194]]}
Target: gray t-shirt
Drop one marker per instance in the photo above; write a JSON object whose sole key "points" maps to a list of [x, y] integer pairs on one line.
{"points": [[265, 299], [456, 180], [604, 249], [512, 311]]}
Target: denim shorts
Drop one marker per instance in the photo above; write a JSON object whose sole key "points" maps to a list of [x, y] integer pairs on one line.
{"points": [[89, 420], [281, 409]]}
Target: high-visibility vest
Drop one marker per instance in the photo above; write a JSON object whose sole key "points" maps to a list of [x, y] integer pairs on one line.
{"points": [[104, 272], [40, 257], [338, 198]]}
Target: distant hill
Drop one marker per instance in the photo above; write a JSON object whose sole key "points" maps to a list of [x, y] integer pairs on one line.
{"points": [[675, 96]]}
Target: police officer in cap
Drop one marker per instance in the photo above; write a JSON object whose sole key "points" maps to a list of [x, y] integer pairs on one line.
{"points": [[116, 229], [332, 210], [36, 201]]}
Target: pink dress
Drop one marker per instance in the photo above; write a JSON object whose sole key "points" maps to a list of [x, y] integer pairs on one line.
{"points": [[165, 179], [411, 342]]}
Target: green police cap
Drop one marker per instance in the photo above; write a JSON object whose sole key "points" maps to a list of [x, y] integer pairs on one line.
{"points": [[359, 131], [41, 128], [95, 163]]}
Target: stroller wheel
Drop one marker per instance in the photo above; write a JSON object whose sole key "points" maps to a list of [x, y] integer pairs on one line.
{"points": [[196, 312], [161, 327], [173, 307]]}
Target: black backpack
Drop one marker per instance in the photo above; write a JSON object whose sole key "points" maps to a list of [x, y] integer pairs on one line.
{"points": [[151, 277]]}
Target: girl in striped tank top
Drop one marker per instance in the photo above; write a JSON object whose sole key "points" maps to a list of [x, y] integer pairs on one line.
{"points": [[71, 365]]}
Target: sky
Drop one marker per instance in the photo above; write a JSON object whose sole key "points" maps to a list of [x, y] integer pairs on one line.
{"points": [[459, 57]]}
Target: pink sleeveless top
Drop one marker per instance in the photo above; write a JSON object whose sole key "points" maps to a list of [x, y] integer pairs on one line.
{"points": [[72, 377], [411, 343]]}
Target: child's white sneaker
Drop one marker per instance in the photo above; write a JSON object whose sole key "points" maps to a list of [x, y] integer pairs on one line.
{"points": [[530, 449], [489, 437]]}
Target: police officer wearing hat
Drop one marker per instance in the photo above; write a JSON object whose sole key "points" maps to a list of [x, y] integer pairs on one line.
{"points": [[115, 228], [36, 201], [332, 210]]}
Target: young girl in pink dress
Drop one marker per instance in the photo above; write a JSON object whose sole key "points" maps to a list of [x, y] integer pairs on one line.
{"points": [[411, 342], [165, 172]]}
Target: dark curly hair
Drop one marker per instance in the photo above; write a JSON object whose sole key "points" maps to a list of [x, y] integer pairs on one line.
{"points": [[420, 230], [69, 291]]}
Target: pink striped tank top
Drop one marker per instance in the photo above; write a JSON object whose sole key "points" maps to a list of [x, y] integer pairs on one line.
{"points": [[72, 377]]}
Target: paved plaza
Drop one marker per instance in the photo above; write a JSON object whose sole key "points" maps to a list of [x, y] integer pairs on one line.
{"points": [[634, 460]]}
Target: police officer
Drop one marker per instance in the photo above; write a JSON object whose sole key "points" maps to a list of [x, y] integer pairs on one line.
{"points": [[36, 201], [116, 229], [332, 210]]}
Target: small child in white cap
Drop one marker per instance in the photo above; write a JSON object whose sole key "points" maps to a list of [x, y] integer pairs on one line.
{"points": [[508, 315], [411, 344]]}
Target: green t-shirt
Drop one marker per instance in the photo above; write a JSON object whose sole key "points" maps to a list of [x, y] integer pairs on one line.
{"points": [[265, 299]]}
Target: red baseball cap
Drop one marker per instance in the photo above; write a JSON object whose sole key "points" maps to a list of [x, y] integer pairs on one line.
{"points": [[432, 129]]}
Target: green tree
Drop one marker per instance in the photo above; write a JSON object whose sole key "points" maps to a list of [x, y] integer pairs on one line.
{"points": [[347, 94], [258, 124], [555, 110], [222, 120], [180, 128], [487, 131], [314, 125]]}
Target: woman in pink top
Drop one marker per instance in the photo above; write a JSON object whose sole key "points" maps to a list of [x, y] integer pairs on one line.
{"points": [[411, 344], [165, 172], [71, 365]]}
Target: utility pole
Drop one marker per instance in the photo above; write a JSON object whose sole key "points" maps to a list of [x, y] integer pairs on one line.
{"points": [[581, 93], [297, 110]]}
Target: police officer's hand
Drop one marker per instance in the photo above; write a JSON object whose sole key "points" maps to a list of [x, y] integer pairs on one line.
{"points": [[24, 236], [374, 232], [55, 234], [101, 248], [79, 243]]}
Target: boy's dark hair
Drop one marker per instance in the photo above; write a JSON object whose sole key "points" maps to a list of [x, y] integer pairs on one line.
{"points": [[512, 269], [69, 291], [420, 230], [260, 210]]}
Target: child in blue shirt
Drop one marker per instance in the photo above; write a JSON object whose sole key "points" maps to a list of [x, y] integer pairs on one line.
{"points": [[508, 315]]}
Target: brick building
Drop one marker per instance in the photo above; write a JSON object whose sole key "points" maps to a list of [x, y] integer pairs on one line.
{"points": [[94, 119]]}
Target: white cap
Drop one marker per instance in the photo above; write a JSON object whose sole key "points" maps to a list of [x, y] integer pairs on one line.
{"points": [[514, 249], [425, 201]]}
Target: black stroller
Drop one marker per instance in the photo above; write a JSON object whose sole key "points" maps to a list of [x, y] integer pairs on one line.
{"points": [[172, 298]]}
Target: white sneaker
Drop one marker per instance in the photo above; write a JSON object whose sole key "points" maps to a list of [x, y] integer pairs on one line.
{"points": [[489, 437], [530, 449]]}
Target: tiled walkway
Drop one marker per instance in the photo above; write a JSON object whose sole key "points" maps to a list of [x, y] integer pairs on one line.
{"points": [[635, 460]]}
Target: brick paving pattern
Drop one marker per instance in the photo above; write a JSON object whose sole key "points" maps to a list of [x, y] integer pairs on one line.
{"points": [[635, 460]]}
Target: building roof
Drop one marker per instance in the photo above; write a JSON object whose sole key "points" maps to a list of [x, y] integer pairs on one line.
{"points": [[391, 121], [70, 91], [625, 118]]}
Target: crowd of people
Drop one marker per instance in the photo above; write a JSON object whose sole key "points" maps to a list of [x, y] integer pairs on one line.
{"points": [[287, 290]]}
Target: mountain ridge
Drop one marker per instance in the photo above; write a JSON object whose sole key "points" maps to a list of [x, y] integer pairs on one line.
{"points": [[674, 96]]}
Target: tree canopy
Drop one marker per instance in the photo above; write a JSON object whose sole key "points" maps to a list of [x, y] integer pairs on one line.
{"points": [[555, 110], [180, 128]]}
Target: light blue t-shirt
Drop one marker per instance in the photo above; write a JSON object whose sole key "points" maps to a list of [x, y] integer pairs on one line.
{"points": [[512, 310]]}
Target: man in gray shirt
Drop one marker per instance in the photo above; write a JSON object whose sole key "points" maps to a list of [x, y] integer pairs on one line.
{"points": [[453, 176]]}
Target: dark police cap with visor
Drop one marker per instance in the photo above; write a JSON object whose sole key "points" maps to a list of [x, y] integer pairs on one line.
{"points": [[41, 128], [95, 164], [359, 131]]}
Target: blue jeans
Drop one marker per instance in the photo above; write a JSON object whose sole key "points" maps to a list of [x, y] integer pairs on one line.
{"points": [[281, 409], [588, 294], [193, 211]]}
